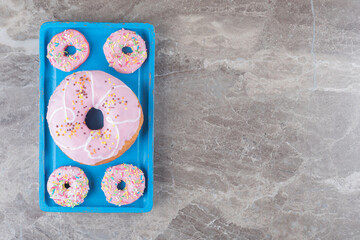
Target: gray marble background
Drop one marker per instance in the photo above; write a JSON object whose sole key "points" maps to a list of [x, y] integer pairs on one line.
{"points": [[257, 120]]}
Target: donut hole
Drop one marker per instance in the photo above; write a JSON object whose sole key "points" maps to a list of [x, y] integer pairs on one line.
{"points": [[127, 50], [69, 50], [94, 119], [66, 185], [121, 185]]}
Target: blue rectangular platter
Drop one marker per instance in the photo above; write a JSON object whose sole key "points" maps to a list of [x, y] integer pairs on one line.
{"points": [[141, 82]]}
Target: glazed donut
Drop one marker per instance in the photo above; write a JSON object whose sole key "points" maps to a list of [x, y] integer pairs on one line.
{"points": [[71, 101], [56, 50], [68, 186], [133, 178], [125, 62]]}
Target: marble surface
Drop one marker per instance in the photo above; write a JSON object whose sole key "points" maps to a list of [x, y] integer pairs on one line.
{"points": [[257, 120]]}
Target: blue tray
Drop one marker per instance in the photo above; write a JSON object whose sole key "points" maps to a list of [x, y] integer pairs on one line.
{"points": [[141, 82]]}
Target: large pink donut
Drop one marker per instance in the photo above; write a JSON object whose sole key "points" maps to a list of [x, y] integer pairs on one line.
{"points": [[122, 62], [71, 101], [58, 44]]}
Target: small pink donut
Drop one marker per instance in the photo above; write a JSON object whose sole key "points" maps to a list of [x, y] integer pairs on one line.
{"points": [[68, 186], [133, 178], [58, 44], [125, 62]]}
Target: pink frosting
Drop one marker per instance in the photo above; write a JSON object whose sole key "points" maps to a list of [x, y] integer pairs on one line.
{"points": [[78, 186], [58, 44], [133, 178], [121, 62], [71, 101]]}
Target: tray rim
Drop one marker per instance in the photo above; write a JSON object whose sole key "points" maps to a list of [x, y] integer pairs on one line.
{"points": [[42, 114]]}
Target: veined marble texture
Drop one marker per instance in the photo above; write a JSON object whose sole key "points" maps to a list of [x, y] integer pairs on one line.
{"points": [[257, 120]]}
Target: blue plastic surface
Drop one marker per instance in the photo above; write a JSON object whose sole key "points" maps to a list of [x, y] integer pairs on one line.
{"points": [[141, 82]]}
